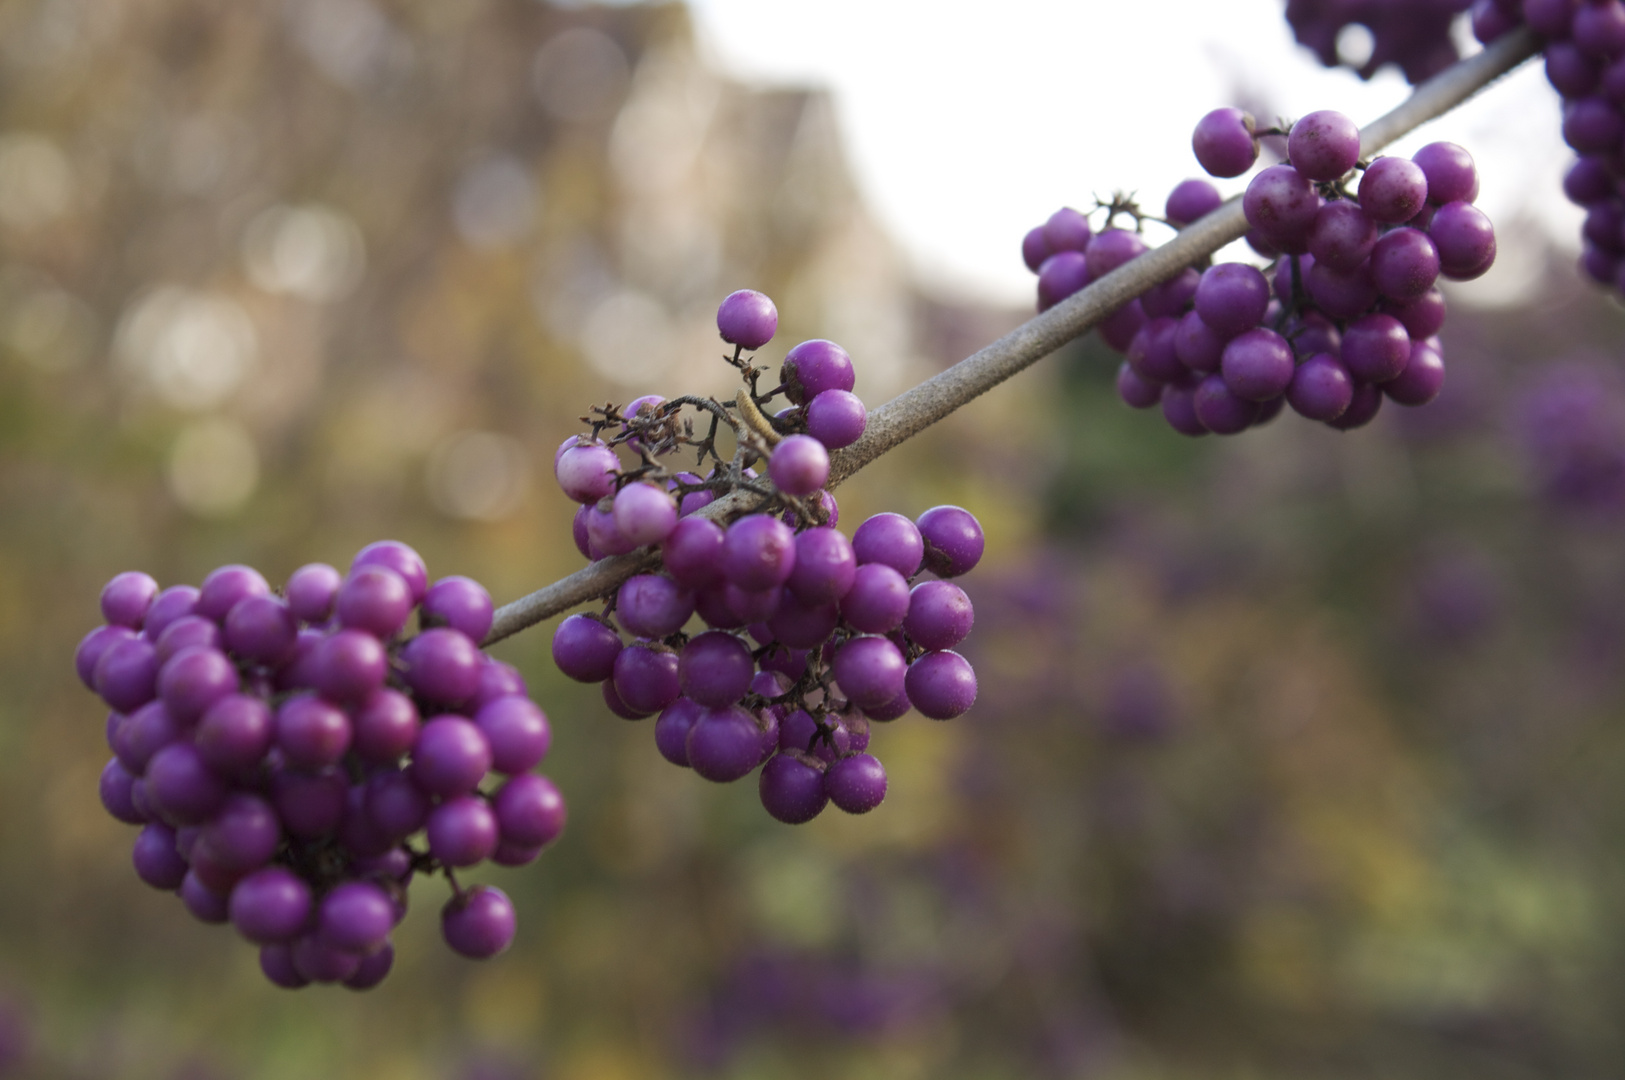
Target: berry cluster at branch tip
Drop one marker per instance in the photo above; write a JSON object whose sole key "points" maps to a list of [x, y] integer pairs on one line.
{"points": [[294, 759], [807, 635], [1347, 314]]}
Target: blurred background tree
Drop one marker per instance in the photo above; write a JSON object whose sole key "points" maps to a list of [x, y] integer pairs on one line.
{"points": [[1296, 755]]}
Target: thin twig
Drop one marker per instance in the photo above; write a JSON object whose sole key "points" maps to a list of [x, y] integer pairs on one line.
{"points": [[917, 409]]}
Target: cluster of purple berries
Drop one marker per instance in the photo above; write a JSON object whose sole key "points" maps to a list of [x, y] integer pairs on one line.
{"points": [[843, 634], [283, 752], [1585, 63], [1350, 313], [1413, 34]]}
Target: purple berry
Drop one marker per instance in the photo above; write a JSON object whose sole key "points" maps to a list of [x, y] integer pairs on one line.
{"points": [[225, 586], [1258, 365], [814, 367], [644, 514], [1343, 236], [1324, 145], [460, 603], [312, 733], [270, 905], [1375, 348], [126, 598], [1191, 200], [585, 648], [1321, 388], [479, 922], [1034, 249], [870, 670], [1404, 264], [1422, 378], [310, 805], [1110, 249], [396, 556], [261, 629], [1220, 410], [671, 730], [1136, 391], [349, 666], [1152, 353], [1465, 239], [1066, 230], [646, 677], [1231, 298], [311, 590], [451, 757], [374, 599], [824, 567], [1449, 171], [1061, 275], [758, 553], [1362, 408], [836, 418], [856, 784], [587, 473], [890, 539], [1224, 143], [530, 811], [941, 685], [1392, 190], [877, 601], [792, 789], [235, 733], [517, 731], [747, 318], [1281, 203], [715, 669], [171, 604], [244, 834], [799, 465], [724, 744], [356, 916], [156, 861], [442, 665], [692, 553], [126, 674], [462, 831]]}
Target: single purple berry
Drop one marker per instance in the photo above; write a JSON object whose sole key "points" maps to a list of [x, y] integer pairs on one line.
{"points": [[671, 729], [1321, 388], [126, 598], [1449, 171], [1392, 190], [311, 590], [1034, 248], [1324, 145], [1342, 236], [813, 367], [1404, 264], [227, 585], [792, 788], [644, 514], [1231, 298], [645, 677], [478, 922], [243, 834], [1191, 200], [517, 731], [460, 603], [1136, 391], [261, 629], [1061, 275], [1465, 239], [724, 744], [799, 465], [126, 674], [451, 757], [1220, 410], [270, 905], [171, 604], [1281, 203], [530, 812], [941, 685], [758, 552], [856, 784], [1112, 248], [235, 733], [715, 669], [940, 615], [836, 418], [1258, 365], [803, 626], [1375, 348], [870, 670], [587, 473], [824, 567], [1422, 379], [1066, 230], [692, 553], [462, 831], [890, 539], [442, 665], [877, 601], [1152, 354], [1224, 143], [156, 861], [312, 733], [584, 648], [1341, 295]]}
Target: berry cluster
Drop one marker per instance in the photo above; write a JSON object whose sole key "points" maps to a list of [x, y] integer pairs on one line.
{"points": [[283, 752], [842, 633], [1585, 63], [1350, 312], [1413, 34]]}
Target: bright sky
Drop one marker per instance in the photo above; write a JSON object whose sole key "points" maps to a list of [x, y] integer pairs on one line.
{"points": [[966, 130]]}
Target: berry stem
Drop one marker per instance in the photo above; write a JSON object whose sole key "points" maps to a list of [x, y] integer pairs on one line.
{"points": [[912, 411]]}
